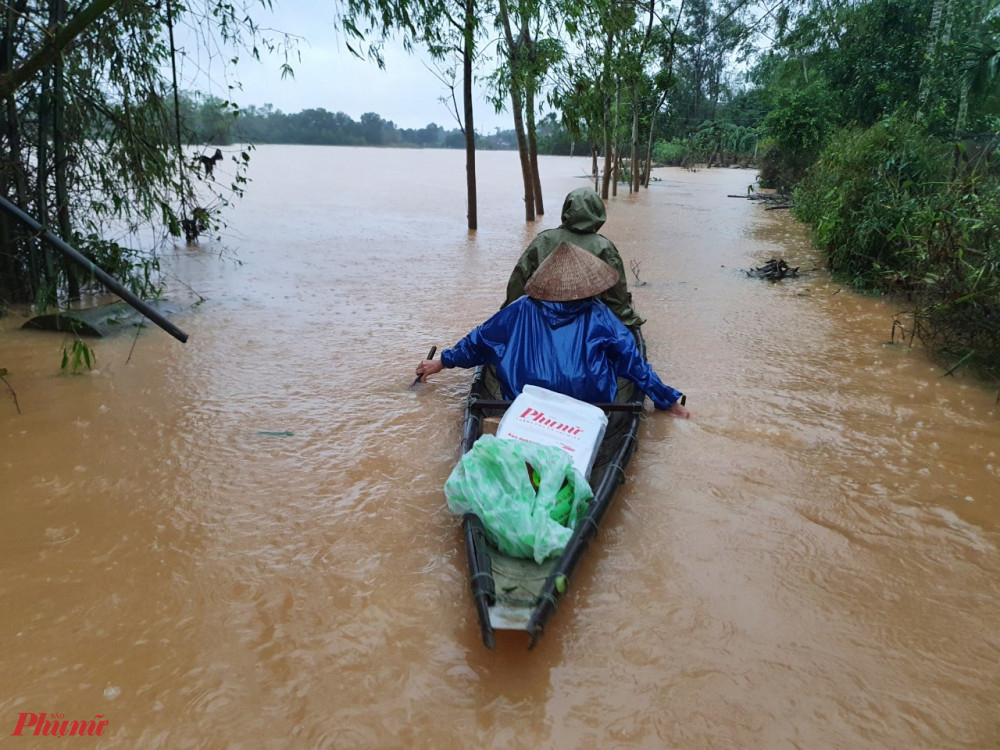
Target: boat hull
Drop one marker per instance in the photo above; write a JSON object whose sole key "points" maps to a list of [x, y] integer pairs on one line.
{"points": [[518, 594]]}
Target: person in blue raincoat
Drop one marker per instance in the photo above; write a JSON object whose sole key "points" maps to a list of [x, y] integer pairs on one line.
{"points": [[559, 336]]}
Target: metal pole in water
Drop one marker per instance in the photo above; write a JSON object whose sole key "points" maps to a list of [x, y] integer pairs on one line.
{"points": [[110, 282]]}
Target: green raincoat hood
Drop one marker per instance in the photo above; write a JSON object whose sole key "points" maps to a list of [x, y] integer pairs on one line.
{"points": [[583, 211]]}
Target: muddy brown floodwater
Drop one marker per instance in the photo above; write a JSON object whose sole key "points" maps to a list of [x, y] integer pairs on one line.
{"points": [[810, 562]]}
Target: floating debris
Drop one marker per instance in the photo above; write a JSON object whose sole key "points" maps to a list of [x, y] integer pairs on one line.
{"points": [[104, 320], [775, 200], [774, 270]]}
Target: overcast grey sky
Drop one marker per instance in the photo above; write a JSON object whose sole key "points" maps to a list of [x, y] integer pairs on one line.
{"points": [[327, 76]]}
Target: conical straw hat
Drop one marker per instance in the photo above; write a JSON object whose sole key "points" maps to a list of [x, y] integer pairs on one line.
{"points": [[570, 273]]}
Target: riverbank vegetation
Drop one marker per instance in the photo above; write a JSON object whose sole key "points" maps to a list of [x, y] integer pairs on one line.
{"points": [[883, 117], [902, 212]]}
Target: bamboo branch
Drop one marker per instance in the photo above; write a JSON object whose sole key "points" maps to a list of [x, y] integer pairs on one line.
{"points": [[50, 51]]}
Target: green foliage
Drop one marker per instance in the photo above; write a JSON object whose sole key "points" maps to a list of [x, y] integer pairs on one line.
{"points": [[671, 153], [701, 80], [553, 138], [898, 211], [978, 61], [724, 143], [801, 119], [321, 127], [776, 170], [208, 120], [139, 270], [91, 144], [76, 356], [745, 109], [853, 64], [797, 126], [879, 58], [867, 193]]}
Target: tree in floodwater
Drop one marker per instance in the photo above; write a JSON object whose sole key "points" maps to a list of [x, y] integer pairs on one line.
{"points": [[89, 141], [444, 28], [576, 96], [457, 34], [588, 86], [637, 58], [665, 45], [616, 22], [525, 61]]}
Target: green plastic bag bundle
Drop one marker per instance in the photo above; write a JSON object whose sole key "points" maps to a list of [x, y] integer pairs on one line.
{"points": [[528, 496]]}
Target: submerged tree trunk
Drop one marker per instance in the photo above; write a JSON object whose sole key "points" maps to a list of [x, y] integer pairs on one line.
{"points": [[522, 151], [617, 156], [634, 184], [514, 49], [666, 91], [533, 150], [606, 91], [649, 143], [715, 152], [49, 281], [470, 131], [595, 168], [608, 157]]}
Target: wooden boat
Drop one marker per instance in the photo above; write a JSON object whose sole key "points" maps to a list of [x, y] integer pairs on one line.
{"points": [[518, 594]]}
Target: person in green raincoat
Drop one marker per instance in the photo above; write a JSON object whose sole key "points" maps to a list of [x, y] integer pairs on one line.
{"points": [[583, 213]]}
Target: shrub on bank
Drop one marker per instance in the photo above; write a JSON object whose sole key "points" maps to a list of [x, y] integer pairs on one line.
{"points": [[781, 169], [896, 211], [796, 128], [671, 153], [869, 198]]}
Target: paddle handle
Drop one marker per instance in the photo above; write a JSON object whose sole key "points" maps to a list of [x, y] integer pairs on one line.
{"points": [[430, 355]]}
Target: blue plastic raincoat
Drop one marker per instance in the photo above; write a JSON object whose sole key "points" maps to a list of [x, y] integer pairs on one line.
{"points": [[576, 348]]}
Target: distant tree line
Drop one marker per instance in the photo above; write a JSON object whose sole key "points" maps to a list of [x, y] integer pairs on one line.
{"points": [[211, 121]]}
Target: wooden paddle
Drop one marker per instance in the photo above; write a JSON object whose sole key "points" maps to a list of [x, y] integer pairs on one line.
{"points": [[430, 355]]}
